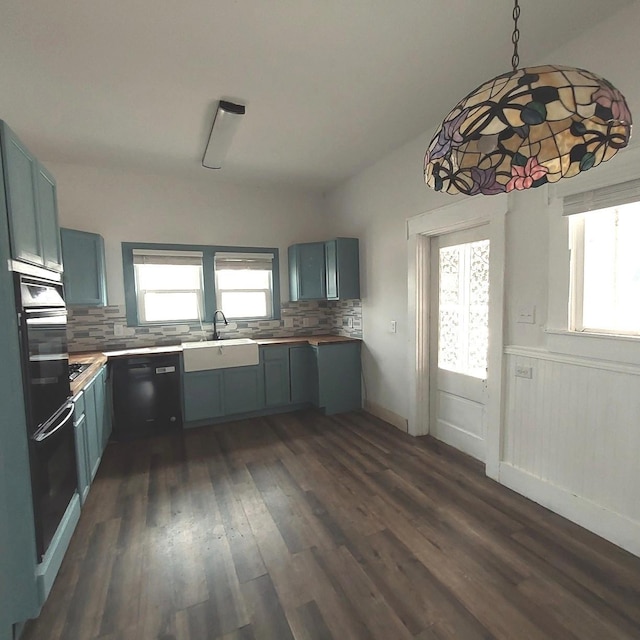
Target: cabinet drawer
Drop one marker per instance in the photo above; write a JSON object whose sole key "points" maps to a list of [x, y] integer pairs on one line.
{"points": [[274, 353]]}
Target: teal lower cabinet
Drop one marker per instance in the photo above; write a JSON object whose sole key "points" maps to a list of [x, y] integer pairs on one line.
{"points": [[339, 385], [243, 389], [93, 426], [288, 377], [276, 375], [82, 451], [202, 393], [303, 375]]}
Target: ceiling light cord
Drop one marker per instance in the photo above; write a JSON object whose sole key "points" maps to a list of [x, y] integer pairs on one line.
{"points": [[515, 37]]}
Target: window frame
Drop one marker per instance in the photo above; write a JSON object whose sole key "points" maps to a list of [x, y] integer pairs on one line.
{"points": [[577, 281], [209, 291]]}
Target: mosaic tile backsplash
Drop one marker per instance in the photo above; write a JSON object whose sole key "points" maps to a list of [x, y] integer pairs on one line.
{"points": [[98, 328]]}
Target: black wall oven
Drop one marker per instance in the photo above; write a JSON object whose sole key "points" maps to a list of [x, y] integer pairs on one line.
{"points": [[42, 318]]}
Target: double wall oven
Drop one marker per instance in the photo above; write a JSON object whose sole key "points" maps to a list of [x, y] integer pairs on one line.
{"points": [[42, 318]]}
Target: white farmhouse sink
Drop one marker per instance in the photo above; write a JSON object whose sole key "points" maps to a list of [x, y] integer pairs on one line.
{"points": [[219, 354]]}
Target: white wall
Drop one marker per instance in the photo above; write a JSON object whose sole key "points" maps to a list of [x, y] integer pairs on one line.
{"points": [[375, 205], [125, 206]]}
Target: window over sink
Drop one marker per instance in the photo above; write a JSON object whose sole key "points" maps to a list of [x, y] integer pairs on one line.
{"points": [[170, 284]]}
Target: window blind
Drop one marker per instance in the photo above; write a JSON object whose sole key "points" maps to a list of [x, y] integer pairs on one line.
{"points": [[603, 198], [152, 256], [244, 261]]}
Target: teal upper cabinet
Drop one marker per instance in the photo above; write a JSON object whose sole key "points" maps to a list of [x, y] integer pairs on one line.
{"points": [[324, 270], [31, 202], [47, 201], [84, 268], [343, 268], [307, 280]]}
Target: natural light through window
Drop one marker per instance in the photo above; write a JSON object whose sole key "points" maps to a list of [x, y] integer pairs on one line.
{"points": [[606, 270], [244, 285], [169, 286], [463, 323]]}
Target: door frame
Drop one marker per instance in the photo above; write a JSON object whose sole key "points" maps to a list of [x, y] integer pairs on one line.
{"points": [[464, 214]]}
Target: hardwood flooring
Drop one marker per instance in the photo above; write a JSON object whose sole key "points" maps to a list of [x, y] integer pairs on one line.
{"points": [[317, 528]]}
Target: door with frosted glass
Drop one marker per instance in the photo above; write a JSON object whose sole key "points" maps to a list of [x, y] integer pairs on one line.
{"points": [[459, 341]]}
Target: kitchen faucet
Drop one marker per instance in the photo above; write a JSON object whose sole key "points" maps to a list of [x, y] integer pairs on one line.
{"points": [[216, 335]]}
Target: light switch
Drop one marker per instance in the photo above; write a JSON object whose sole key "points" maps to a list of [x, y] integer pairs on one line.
{"points": [[393, 326]]}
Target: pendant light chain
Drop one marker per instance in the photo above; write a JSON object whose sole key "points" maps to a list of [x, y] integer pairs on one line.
{"points": [[515, 37]]}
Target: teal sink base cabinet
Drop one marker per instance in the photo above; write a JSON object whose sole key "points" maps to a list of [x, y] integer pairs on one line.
{"points": [[288, 378]]}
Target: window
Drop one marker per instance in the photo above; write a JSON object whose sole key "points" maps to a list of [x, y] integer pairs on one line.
{"points": [[244, 284], [605, 270], [604, 227], [167, 284]]}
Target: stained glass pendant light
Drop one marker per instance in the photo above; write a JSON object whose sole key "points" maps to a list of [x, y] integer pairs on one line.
{"points": [[526, 128]]}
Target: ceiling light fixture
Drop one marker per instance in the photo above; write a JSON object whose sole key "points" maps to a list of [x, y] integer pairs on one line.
{"points": [[526, 128], [225, 123]]}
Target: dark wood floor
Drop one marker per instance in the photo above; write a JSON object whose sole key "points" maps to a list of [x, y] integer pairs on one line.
{"points": [[308, 527]]}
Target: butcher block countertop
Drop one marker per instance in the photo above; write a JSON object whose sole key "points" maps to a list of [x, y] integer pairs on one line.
{"points": [[313, 340], [97, 359]]}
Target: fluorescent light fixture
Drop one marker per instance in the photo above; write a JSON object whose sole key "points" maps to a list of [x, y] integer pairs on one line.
{"points": [[224, 126]]}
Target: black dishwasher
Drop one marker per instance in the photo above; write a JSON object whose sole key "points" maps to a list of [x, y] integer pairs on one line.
{"points": [[146, 396]]}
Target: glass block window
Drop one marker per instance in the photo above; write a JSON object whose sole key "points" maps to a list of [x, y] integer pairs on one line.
{"points": [[463, 323]]}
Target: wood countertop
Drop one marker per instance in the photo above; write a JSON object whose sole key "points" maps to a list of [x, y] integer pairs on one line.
{"points": [[313, 340], [96, 360]]}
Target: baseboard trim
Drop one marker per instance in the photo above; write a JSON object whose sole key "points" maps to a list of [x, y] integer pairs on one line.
{"points": [[388, 416], [610, 525]]}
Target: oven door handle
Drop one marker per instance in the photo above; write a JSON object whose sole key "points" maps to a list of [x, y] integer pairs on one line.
{"points": [[47, 431]]}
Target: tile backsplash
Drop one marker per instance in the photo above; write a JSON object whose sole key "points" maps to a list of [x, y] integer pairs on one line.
{"points": [[97, 328]]}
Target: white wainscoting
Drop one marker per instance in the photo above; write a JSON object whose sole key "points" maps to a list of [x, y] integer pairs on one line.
{"points": [[571, 440]]}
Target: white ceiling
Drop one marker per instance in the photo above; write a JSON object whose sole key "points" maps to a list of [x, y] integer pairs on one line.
{"points": [[330, 85]]}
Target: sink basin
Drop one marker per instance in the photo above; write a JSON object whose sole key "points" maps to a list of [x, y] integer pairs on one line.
{"points": [[219, 354]]}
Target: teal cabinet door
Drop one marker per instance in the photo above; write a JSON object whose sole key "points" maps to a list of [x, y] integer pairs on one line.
{"points": [[101, 427], [94, 444], [20, 171], [302, 366], [203, 395], [243, 389], [343, 268], [307, 279], [107, 424], [276, 375], [82, 457], [47, 204], [339, 386], [84, 268]]}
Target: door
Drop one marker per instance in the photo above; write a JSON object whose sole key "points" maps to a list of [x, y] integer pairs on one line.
{"points": [[459, 339]]}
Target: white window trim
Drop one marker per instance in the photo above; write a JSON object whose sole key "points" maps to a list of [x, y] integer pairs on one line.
{"points": [[559, 337]]}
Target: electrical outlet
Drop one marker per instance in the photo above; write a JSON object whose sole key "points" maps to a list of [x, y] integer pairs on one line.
{"points": [[393, 326], [527, 315], [524, 372], [350, 323], [118, 329]]}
